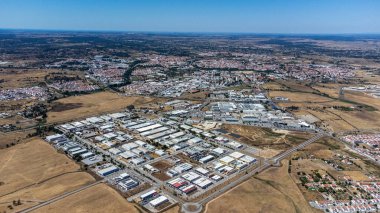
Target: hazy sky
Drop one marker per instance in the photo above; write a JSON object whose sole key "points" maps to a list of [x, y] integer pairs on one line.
{"points": [[265, 16]]}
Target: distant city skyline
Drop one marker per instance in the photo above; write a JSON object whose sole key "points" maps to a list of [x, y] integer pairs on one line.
{"points": [[209, 16]]}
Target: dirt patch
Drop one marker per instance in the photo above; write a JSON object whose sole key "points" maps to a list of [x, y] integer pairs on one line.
{"points": [[59, 107], [162, 166]]}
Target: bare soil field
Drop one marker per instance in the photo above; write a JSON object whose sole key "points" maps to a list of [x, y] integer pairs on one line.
{"points": [[33, 171], [82, 106], [163, 166], [99, 198], [300, 96], [270, 191], [264, 137]]}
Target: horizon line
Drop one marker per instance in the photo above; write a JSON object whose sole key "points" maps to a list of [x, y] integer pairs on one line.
{"points": [[182, 32]]}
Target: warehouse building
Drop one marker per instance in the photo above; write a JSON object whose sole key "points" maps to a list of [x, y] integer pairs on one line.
{"points": [[148, 195], [107, 171], [206, 159], [128, 184], [203, 182], [159, 201]]}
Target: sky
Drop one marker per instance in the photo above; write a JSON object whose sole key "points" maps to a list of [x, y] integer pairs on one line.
{"points": [[237, 16]]}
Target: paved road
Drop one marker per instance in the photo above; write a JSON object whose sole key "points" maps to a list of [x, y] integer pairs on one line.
{"points": [[55, 199], [283, 155]]}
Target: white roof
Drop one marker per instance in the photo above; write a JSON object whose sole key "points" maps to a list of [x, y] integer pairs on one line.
{"points": [[219, 150], [216, 177], [202, 170], [143, 129], [190, 176], [235, 144], [203, 182], [127, 154], [226, 159], [140, 143], [236, 155], [137, 161], [207, 158], [110, 135], [151, 192], [114, 151], [248, 159], [158, 200], [117, 115], [129, 146], [94, 120]]}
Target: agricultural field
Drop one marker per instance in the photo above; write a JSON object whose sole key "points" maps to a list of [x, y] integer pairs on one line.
{"points": [[41, 173]]}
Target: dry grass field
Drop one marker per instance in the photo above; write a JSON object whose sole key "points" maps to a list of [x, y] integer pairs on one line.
{"points": [[273, 86], [194, 96], [13, 137], [362, 98], [264, 137], [315, 105], [27, 78], [82, 106], [367, 77], [270, 191], [34, 171], [99, 198], [300, 96], [30, 196], [341, 119], [330, 89]]}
